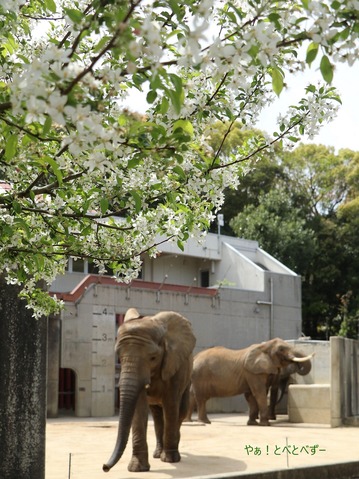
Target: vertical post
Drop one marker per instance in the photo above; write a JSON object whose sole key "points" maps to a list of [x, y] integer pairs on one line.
{"points": [[336, 354], [23, 351], [271, 311], [220, 222], [53, 366]]}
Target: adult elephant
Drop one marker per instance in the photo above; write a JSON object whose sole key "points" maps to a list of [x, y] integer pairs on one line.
{"points": [[222, 372], [280, 381], [156, 364]]}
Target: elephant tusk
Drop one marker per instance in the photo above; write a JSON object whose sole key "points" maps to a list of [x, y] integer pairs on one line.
{"points": [[147, 386], [302, 360]]}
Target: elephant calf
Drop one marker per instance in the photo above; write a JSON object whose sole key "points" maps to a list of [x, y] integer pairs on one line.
{"points": [[222, 372]]}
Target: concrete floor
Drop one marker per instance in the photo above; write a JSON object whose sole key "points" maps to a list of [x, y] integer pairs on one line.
{"points": [[76, 448]]}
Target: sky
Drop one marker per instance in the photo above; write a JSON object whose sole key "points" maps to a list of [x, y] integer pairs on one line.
{"points": [[343, 132]]}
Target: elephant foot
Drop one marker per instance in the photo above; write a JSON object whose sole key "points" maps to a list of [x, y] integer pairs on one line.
{"points": [[138, 465], [252, 422], [204, 420], [157, 452], [187, 419], [170, 456], [264, 423]]}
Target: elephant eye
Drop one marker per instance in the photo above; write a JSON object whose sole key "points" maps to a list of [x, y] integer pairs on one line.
{"points": [[153, 358]]}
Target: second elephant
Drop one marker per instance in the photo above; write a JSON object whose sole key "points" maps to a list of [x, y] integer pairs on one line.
{"points": [[280, 382], [222, 372]]}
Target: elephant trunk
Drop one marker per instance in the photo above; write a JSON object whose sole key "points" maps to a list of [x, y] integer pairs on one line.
{"points": [[305, 365], [129, 392]]}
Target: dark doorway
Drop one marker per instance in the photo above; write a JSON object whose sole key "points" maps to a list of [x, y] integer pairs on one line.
{"points": [[67, 388], [204, 279]]}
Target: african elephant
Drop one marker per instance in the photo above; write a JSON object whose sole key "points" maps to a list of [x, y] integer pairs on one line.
{"points": [[280, 382], [156, 364], [222, 372]]}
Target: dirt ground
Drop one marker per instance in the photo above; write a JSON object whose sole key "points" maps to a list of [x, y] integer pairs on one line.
{"points": [[76, 448]]}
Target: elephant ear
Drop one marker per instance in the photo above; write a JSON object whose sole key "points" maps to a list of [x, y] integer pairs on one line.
{"points": [[257, 361], [179, 342], [131, 313]]}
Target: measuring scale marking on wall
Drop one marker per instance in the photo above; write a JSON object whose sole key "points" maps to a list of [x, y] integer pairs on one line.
{"points": [[103, 360]]}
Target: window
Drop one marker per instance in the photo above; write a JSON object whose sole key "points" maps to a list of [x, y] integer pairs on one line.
{"points": [[78, 266]]}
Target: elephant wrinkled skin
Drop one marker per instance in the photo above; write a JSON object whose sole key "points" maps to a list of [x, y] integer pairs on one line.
{"points": [[222, 372], [156, 364]]}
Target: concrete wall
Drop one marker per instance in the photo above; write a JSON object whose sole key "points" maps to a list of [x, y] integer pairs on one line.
{"points": [[238, 271], [87, 347], [228, 317], [344, 381], [321, 369], [329, 394]]}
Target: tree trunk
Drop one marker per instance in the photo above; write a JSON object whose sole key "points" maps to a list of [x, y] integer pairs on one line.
{"points": [[23, 346]]}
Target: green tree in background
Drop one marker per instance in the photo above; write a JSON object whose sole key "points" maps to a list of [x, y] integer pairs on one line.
{"points": [[309, 222]]}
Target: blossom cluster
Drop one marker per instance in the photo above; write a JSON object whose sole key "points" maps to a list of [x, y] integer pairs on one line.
{"points": [[90, 179]]}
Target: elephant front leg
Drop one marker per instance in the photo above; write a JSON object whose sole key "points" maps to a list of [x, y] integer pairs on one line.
{"points": [[171, 433], [157, 414], [139, 461]]}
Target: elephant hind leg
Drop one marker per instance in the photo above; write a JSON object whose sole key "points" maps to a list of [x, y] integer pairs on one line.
{"points": [[184, 409], [202, 411], [191, 406], [253, 409]]}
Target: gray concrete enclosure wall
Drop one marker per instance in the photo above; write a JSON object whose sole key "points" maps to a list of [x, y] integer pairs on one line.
{"points": [[228, 317]]}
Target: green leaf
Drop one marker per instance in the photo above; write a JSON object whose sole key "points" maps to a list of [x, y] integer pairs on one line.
{"points": [[11, 146], [336, 5], [47, 125], [50, 5], [55, 168], [311, 88], [75, 15], [186, 126], [177, 169], [151, 96], [176, 98], [22, 225], [326, 69], [277, 80], [16, 206], [133, 162], [138, 201], [103, 41], [312, 52], [39, 262], [104, 205], [177, 82], [180, 245]]}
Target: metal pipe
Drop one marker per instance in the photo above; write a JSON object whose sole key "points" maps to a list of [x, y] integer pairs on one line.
{"points": [[271, 311]]}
